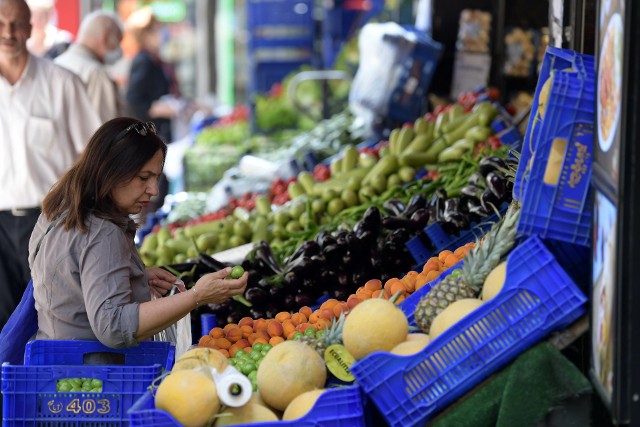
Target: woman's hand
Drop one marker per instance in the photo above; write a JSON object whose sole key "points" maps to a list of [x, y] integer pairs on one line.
{"points": [[161, 281], [215, 288]]}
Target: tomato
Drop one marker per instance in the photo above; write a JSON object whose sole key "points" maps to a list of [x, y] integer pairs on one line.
{"points": [[494, 142], [493, 93], [321, 172]]}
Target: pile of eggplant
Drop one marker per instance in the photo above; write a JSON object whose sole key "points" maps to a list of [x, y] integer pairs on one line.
{"points": [[486, 190], [333, 265]]}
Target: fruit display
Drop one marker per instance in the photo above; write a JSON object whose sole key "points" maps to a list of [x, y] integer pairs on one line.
{"points": [[477, 265]]}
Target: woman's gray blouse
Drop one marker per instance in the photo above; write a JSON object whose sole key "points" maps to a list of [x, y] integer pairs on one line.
{"points": [[88, 285]]}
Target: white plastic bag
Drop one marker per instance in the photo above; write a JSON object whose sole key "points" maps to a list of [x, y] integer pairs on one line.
{"points": [[179, 334]]}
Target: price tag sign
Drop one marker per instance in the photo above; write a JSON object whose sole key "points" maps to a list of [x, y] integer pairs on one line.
{"points": [[339, 361]]}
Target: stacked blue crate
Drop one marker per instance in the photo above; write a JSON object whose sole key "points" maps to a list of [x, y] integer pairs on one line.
{"points": [[281, 38]]}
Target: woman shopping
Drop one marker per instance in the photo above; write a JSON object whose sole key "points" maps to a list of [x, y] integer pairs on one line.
{"points": [[88, 279]]}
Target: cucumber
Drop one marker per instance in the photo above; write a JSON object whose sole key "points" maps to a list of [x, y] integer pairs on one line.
{"points": [[341, 182], [385, 167], [260, 229], [417, 160], [440, 122], [404, 139], [478, 133], [306, 181], [336, 167], [263, 204], [465, 144], [450, 153], [471, 120], [420, 144], [455, 111], [295, 189], [349, 158], [205, 227], [393, 139]]}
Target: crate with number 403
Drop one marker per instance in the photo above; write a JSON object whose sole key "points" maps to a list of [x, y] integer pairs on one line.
{"points": [[55, 388]]}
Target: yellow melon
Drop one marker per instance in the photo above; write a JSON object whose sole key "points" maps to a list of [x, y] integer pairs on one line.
{"points": [[301, 405], [246, 414], [494, 282], [201, 357], [407, 348], [189, 396], [418, 336], [374, 325], [451, 315], [288, 370]]}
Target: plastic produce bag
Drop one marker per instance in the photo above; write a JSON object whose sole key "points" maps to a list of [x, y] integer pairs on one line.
{"points": [[179, 334], [396, 67]]}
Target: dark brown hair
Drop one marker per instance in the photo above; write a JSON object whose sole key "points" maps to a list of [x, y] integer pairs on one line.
{"points": [[110, 159]]}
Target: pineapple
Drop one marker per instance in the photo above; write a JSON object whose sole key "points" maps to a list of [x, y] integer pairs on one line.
{"points": [[332, 335], [486, 255]]}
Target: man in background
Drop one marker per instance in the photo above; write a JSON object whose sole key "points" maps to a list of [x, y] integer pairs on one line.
{"points": [[46, 119], [44, 34], [97, 46]]}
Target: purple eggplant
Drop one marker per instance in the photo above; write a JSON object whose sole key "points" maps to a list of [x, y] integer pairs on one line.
{"points": [[372, 219], [303, 299], [394, 207], [420, 218], [496, 184], [489, 200], [395, 222], [417, 201], [256, 296], [490, 164]]}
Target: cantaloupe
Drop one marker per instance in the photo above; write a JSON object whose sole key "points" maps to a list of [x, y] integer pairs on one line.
{"points": [[288, 370], [494, 281], [201, 357], [301, 405], [190, 396], [407, 348], [246, 414], [374, 325], [451, 315], [418, 336]]}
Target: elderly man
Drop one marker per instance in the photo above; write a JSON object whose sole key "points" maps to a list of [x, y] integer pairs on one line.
{"points": [[44, 127], [97, 45], [45, 35]]}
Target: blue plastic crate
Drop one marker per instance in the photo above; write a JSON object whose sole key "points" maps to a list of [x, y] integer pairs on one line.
{"points": [[563, 211], [574, 259], [436, 239], [280, 23], [555, 59], [417, 70], [538, 298], [72, 352], [337, 407], [263, 75], [29, 391]]}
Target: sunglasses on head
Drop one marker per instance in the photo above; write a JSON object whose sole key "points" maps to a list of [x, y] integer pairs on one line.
{"points": [[140, 127]]}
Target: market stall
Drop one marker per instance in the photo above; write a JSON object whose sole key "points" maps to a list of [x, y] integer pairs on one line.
{"points": [[412, 260]]}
